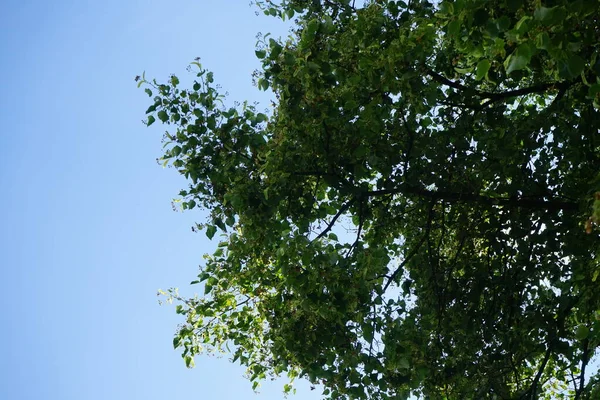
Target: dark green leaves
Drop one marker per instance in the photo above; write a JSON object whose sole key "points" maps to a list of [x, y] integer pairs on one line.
{"points": [[571, 67], [163, 116], [519, 59], [550, 16], [210, 231]]}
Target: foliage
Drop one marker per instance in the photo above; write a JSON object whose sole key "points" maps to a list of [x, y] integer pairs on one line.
{"points": [[417, 212]]}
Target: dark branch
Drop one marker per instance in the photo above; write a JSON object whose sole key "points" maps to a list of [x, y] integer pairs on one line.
{"points": [[513, 201], [533, 388], [414, 249], [584, 361], [497, 96], [342, 210]]}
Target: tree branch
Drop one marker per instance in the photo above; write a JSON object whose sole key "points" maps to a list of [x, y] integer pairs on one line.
{"points": [[533, 388], [493, 97], [414, 249], [584, 362], [513, 201], [342, 210]]}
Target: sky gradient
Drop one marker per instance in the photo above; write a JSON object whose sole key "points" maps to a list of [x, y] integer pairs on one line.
{"points": [[87, 231]]}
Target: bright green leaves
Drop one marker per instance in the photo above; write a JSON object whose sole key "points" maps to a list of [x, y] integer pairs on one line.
{"points": [[189, 361], [482, 69]]}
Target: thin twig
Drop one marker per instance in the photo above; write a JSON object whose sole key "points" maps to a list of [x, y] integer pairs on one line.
{"points": [[414, 249], [342, 210]]}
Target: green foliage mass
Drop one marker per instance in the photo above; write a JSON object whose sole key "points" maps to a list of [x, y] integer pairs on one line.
{"points": [[417, 212]]}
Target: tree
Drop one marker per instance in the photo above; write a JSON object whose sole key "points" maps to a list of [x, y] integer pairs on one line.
{"points": [[417, 212]]}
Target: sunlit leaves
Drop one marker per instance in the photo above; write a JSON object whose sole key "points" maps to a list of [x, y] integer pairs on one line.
{"points": [[482, 69], [416, 212]]}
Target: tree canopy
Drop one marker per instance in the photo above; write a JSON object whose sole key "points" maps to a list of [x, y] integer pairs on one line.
{"points": [[415, 214]]}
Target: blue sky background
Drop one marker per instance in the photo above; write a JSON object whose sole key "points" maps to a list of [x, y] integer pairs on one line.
{"points": [[87, 231]]}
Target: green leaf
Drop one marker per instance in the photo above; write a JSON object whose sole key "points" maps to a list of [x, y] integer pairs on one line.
{"points": [[521, 26], [260, 54], [464, 70], [454, 27], [148, 92], [189, 362], [582, 332], [263, 84], [163, 116], [446, 7], [571, 67], [550, 16], [219, 222], [203, 276], [594, 90], [208, 287], [151, 120], [275, 49], [368, 332], [519, 59], [482, 69], [312, 27], [542, 41], [210, 231], [230, 221], [176, 342], [289, 59]]}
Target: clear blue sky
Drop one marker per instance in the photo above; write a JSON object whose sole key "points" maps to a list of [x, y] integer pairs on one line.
{"points": [[86, 228]]}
